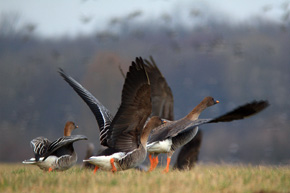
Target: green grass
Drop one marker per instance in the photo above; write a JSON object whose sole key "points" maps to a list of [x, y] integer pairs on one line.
{"points": [[203, 178]]}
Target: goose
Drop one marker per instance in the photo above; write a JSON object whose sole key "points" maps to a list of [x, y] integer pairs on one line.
{"points": [[58, 155], [171, 135], [161, 96], [159, 92], [127, 136]]}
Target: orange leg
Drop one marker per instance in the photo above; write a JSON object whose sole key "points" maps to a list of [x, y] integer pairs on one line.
{"points": [[96, 169], [50, 169], [114, 169], [151, 163], [155, 162], [167, 166]]}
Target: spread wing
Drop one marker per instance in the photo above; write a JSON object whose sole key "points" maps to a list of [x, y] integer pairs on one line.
{"points": [[102, 114], [242, 112], [161, 94], [125, 130], [172, 129], [61, 142], [40, 146], [169, 129]]}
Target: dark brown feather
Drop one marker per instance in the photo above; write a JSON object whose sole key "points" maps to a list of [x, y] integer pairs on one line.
{"points": [[161, 94], [125, 130], [242, 112], [188, 154]]}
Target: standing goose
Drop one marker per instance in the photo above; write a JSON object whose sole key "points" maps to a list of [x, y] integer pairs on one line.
{"points": [[162, 106], [172, 135], [58, 155]]}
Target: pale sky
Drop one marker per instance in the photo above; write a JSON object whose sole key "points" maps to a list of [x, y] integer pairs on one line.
{"points": [[56, 18]]}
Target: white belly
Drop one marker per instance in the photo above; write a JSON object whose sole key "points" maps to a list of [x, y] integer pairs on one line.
{"points": [[103, 162], [50, 162], [160, 146]]}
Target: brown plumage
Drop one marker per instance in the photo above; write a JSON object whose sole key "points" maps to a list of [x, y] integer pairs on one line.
{"points": [[188, 154], [161, 94], [56, 155], [162, 106], [127, 136], [168, 137], [69, 127], [172, 135], [125, 130]]}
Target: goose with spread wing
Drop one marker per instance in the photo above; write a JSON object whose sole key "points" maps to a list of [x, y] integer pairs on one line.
{"points": [[162, 106], [127, 136], [161, 95], [58, 155], [169, 136]]}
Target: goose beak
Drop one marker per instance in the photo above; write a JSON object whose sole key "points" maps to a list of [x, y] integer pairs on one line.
{"points": [[217, 102], [163, 121]]}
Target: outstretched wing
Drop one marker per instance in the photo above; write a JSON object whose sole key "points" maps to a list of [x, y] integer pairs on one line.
{"points": [[40, 146], [242, 112], [161, 94], [125, 130], [102, 114], [61, 142], [172, 129]]}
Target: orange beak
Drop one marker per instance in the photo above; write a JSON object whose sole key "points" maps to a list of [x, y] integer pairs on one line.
{"points": [[217, 101], [164, 121]]}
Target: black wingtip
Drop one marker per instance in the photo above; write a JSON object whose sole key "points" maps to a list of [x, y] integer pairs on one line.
{"points": [[61, 72], [244, 111]]}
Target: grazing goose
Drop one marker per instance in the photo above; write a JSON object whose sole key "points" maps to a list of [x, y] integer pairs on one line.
{"points": [[172, 135], [58, 155], [126, 135]]}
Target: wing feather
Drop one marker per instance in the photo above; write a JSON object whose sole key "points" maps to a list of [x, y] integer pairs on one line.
{"points": [[102, 114], [61, 142], [125, 130], [161, 94], [173, 128]]}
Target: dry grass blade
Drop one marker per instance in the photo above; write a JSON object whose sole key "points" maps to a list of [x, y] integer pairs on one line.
{"points": [[203, 178]]}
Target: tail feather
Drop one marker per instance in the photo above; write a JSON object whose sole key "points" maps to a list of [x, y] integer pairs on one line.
{"points": [[29, 161]]}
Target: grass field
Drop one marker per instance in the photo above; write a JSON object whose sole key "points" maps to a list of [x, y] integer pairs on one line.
{"points": [[203, 178]]}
